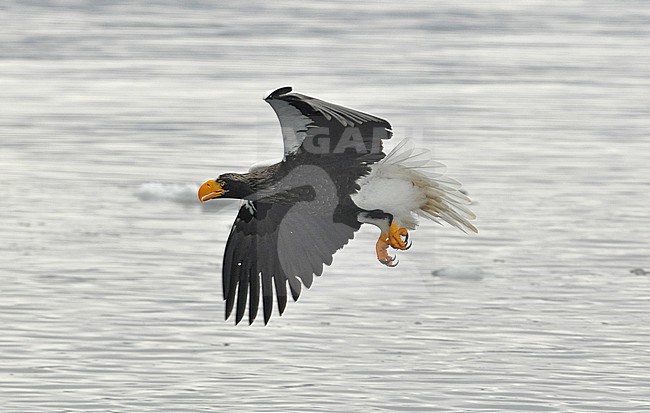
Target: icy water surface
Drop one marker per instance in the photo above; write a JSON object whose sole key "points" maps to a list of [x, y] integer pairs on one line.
{"points": [[111, 115]]}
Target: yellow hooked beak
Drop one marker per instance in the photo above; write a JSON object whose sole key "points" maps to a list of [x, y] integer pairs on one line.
{"points": [[209, 190]]}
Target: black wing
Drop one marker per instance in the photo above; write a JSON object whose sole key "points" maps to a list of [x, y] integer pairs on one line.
{"points": [[275, 244], [316, 127]]}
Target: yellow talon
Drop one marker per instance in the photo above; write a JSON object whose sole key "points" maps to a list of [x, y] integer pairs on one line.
{"points": [[382, 251], [395, 234]]}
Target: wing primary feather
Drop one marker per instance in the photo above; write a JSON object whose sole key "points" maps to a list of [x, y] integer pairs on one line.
{"points": [[295, 286], [267, 296], [254, 297], [264, 268], [232, 245], [230, 298], [242, 293], [281, 292]]}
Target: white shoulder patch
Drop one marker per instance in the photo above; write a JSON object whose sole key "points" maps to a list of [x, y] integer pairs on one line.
{"points": [[262, 164], [293, 124], [250, 206]]}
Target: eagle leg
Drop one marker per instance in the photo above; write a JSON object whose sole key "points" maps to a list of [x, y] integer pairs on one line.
{"points": [[391, 234], [395, 234], [382, 251]]}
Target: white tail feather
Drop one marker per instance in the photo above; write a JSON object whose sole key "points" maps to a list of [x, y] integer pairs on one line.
{"points": [[442, 197]]}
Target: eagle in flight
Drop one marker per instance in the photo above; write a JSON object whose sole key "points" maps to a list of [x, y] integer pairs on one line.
{"points": [[334, 177]]}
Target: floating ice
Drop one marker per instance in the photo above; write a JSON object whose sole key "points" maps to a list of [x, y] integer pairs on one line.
{"points": [[179, 193], [459, 273]]}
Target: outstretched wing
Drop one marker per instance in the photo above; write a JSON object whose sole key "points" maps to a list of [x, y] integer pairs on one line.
{"points": [[319, 128], [285, 237], [272, 245], [274, 242]]}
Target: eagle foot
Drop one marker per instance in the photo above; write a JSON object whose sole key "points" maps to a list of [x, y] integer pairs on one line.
{"points": [[395, 234], [382, 251]]}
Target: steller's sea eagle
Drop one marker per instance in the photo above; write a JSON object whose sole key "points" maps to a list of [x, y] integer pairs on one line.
{"points": [[297, 213]]}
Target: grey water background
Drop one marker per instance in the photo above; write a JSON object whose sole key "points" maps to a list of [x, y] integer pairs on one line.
{"points": [[112, 114]]}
